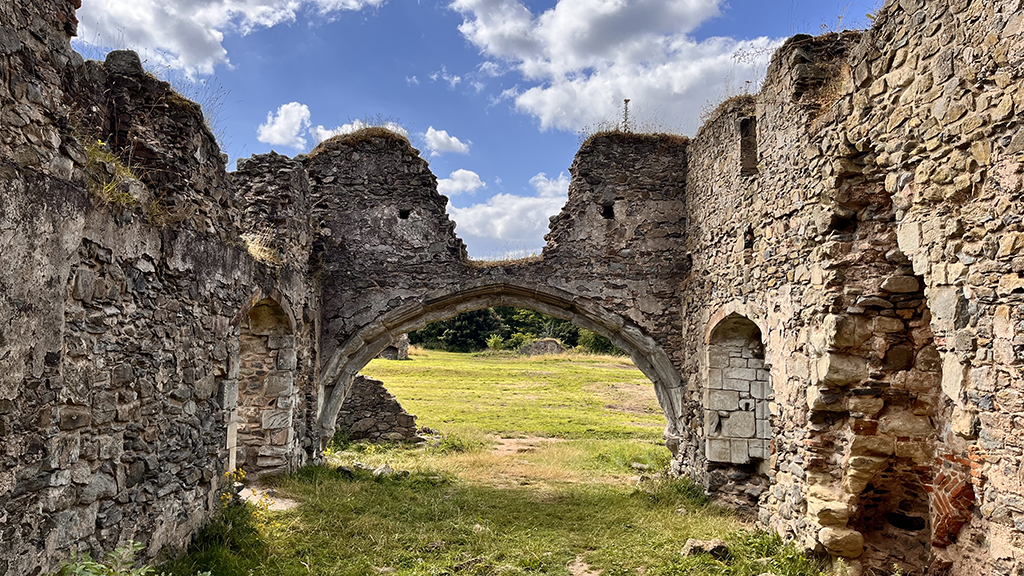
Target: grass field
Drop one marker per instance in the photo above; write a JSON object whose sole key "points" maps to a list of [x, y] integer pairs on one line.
{"points": [[545, 465], [563, 396]]}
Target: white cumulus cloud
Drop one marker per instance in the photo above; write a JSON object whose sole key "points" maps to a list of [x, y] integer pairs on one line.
{"points": [[557, 187], [460, 181], [581, 58], [286, 126], [188, 35], [320, 133], [512, 219], [439, 142]]}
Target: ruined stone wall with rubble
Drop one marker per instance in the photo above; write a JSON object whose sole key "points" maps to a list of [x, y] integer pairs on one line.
{"points": [[862, 216], [824, 287], [126, 297], [391, 262], [372, 413]]}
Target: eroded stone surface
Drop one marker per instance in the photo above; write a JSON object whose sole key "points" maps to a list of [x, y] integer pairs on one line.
{"points": [[863, 212]]}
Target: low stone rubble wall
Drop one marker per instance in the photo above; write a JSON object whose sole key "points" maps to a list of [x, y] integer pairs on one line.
{"points": [[370, 412]]}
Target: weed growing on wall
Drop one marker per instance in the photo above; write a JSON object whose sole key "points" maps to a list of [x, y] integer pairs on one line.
{"points": [[632, 121], [238, 527], [207, 93], [260, 246], [111, 179]]}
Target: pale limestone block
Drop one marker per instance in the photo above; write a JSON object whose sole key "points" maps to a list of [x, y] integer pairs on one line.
{"points": [[1002, 327], [740, 373], [723, 400], [953, 375], [756, 449], [739, 425], [844, 542], [905, 424], [901, 284], [872, 446], [964, 423], [719, 450], [715, 378], [920, 452], [828, 512], [737, 385], [948, 307], [712, 422], [759, 390], [718, 357], [800, 367], [740, 454], [867, 405], [908, 236], [841, 369], [869, 465], [888, 325]]}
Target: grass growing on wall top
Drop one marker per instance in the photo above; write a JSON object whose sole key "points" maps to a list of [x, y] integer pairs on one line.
{"points": [[110, 177]]}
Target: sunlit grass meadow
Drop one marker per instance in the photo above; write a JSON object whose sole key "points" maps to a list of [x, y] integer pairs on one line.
{"points": [[546, 465]]}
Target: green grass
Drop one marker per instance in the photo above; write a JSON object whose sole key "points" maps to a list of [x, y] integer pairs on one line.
{"points": [[569, 396], [431, 523], [508, 489]]}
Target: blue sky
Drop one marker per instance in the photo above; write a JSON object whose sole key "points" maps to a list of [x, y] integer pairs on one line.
{"points": [[494, 93]]}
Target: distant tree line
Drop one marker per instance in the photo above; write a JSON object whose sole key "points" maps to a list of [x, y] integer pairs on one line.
{"points": [[506, 328]]}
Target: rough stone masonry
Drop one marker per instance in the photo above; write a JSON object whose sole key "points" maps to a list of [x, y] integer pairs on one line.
{"points": [[824, 287]]}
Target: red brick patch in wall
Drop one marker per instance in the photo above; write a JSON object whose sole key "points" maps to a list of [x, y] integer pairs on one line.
{"points": [[952, 496]]}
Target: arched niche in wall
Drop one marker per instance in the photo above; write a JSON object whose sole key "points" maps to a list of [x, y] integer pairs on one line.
{"points": [[736, 417], [265, 438]]}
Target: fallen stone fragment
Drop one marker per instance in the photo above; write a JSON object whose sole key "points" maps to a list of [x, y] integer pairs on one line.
{"points": [[716, 547]]}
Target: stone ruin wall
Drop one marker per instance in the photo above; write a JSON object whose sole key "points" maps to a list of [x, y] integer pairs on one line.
{"points": [[875, 245], [391, 262], [370, 412], [854, 229], [121, 324]]}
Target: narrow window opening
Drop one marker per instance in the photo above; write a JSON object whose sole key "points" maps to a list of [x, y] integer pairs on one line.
{"points": [[404, 214], [608, 212], [748, 145], [748, 239]]}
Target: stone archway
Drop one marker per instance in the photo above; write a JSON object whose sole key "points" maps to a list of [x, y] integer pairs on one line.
{"points": [[376, 335], [736, 399], [262, 437]]}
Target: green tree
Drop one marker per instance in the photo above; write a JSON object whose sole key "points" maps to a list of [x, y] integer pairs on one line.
{"points": [[597, 344], [466, 332]]}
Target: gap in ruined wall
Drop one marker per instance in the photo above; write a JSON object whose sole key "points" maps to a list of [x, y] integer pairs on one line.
{"points": [[747, 126], [895, 420]]}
